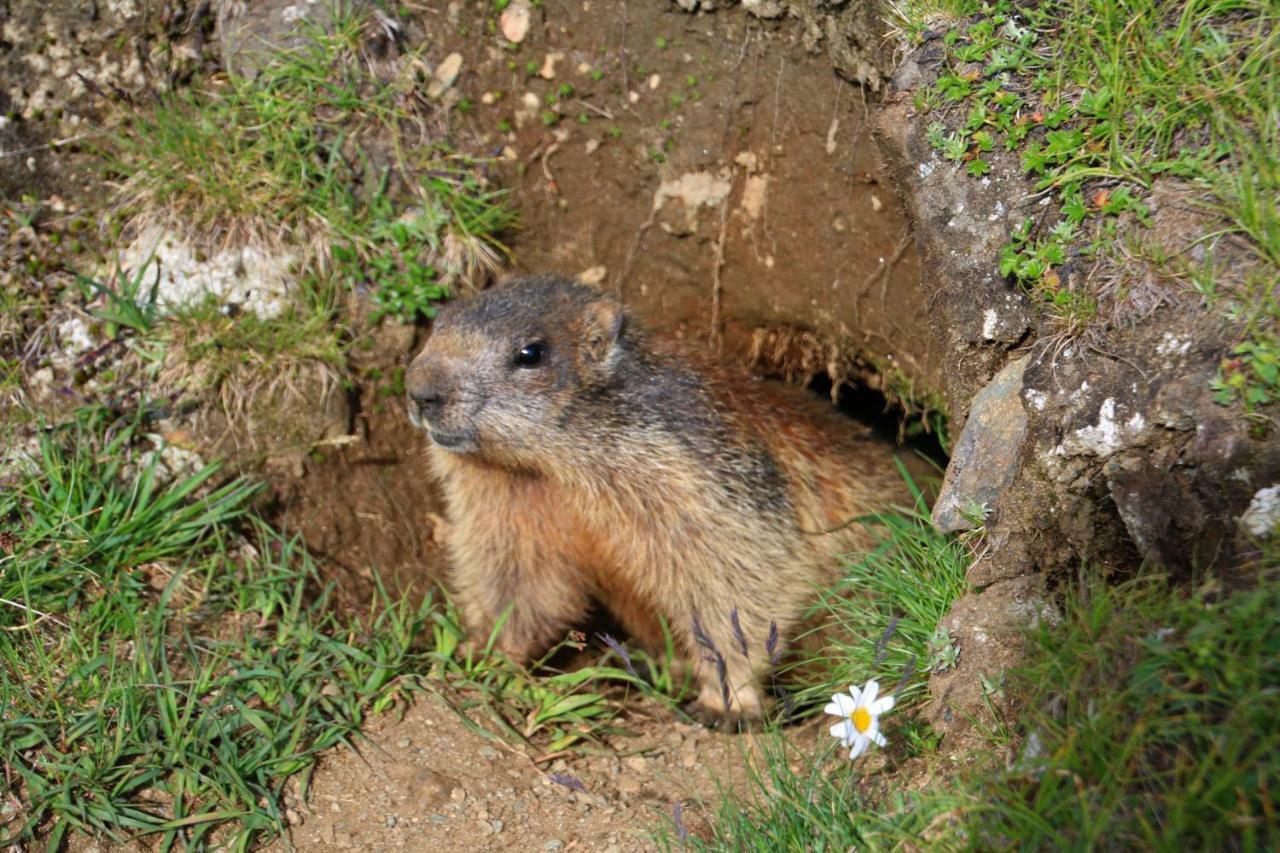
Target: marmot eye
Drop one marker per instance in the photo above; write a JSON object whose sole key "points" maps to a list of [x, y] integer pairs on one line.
{"points": [[530, 355]]}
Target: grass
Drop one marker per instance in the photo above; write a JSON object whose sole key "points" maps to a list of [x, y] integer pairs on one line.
{"points": [[165, 666], [880, 620], [270, 383], [327, 153], [546, 709], [796, 801], [1102, 100], [1153, 717]]}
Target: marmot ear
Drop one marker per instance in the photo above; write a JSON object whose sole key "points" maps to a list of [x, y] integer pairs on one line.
{"points": [[602, 326]]}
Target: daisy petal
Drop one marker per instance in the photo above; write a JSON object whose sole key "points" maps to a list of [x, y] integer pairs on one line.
{"points": [[859, 746], [833, 708], [878, 738], [845, 703], [883, 705], [870, 692], [840, 730]]}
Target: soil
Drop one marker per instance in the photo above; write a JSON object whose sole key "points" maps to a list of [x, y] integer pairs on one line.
{"points": [[430, 781], [811, 236]]}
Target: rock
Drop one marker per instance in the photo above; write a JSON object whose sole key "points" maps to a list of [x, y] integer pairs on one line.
{"points": [[253, 278], [444, 75], [961, 223], [250, 35], [754, 192], [678, 200], [764, 8], [530, 106], [426, 789], [988, 628], [987, 454], [549, 62], [593, 275], [514, 20], [1262, 519]]}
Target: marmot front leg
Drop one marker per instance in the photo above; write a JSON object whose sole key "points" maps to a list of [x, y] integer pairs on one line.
{"points": [[731, 660], [540, 595]]}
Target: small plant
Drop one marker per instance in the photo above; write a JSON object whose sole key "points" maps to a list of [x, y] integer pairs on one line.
{"points": [[132, 307], [1250, 376], [881, 617], [944, 654]]}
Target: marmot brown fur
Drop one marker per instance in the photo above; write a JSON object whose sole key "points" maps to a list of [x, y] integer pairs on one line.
{"points": [[582, 460]]}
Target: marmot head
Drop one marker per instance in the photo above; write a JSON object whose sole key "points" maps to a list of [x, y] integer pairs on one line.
{"points": [[500, 368]]}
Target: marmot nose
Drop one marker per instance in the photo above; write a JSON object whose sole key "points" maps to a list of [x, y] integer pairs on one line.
{"points": [[428, 399]]}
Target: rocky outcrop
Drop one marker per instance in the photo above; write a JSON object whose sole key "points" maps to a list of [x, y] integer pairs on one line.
{"points": [[1104, 446]]}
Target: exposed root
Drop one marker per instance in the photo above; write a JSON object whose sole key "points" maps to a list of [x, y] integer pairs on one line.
{"points": [[799, 355]]}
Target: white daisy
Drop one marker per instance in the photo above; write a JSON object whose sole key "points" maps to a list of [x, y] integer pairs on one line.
{"points": [[860, 711]]}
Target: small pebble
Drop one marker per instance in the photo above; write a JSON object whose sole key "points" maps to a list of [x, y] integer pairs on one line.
{"points": [[403, 743], [392, 820], [553, 844], [438, 818]]}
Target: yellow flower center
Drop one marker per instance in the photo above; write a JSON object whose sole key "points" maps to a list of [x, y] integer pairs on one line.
{"points": [[861, 718]]}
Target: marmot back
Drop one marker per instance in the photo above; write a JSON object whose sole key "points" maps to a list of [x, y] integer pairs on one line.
{"points": [[582, 461]]}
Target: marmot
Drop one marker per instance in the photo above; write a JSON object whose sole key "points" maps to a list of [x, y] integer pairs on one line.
{"points": [[582, 460]]}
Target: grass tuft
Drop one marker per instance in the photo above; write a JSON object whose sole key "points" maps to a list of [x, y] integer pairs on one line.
{"points": [[1152, 726], [880, 620], [159, 673], [326, 152], [796, 801]]}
